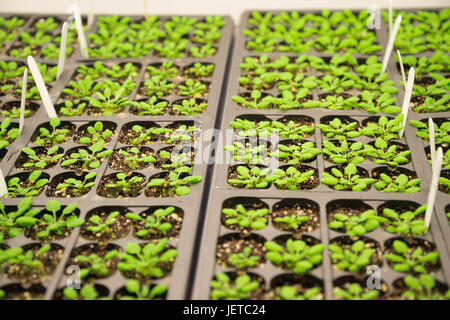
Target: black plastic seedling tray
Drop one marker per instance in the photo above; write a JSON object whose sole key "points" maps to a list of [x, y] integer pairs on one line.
{"points": [[190, 205], [224, 195]]}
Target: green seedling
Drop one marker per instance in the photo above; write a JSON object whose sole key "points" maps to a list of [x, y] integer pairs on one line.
{"points": [[431, 104], [147, 260], [253, 219], [354, 259], [295, 254], [255, 101], [201, 70], [385, 128], [77, 187], [167, 70], [332, 102], [82, 89], [405, 259], [349, 179], [336, 129], [189, 107], [87, 292], [32, 186], [108, 103], [95, 266], [406, 223], [147, 136], [206, 36], [7, 134], [441, 133], [292, 293], [383, 103], [247, 128], [158, 87], [345, 153], [292, 130], [174, 185], [12, 23], [223, 288], [90, 158], [151, 107], [444, 184], [70, 109], [95, 133], [355, 225], [439, 62], [192, 89], [157, 221], [133, 158], [355, 292], [138, 292], [206, 50], [180, 135], [252, 178], [124, 184], [47, 160], [296, 154], [28, 261], [12, 223], [243, 259], [292, 222], [381, 154], [402, 184], [289, 101], [292, 178], [56, 135], [172, 49], [421, 288], [244, 153]]}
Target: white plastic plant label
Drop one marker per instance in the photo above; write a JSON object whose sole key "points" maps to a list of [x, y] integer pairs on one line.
{"points": [[407, 99], [433, 187], [62, 50], [432, 141], [23, 100], [390, 45], [402, 70], [41, 87], [75, 10], [3, 186]]}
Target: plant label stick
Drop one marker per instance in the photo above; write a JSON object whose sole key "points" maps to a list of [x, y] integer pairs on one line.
{"points": [[22, 100], [390, 45], [390, 16], [3, 186], [400, 60], [62, 50], [407, 99], [433, 187], [79, 25], [432, 143], [41, 87]]}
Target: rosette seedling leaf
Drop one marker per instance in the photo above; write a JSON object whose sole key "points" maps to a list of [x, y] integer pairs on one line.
{"points": [[380, 153], [402, 184], [421, 288], [254, 219], [345, 153], [13, 222], [158, 87], [95, 133], [254, 101], [157, 221], [95, 266], [291, 178], [29, 261], [70, 109], [88, 159], [192, 88], [292, 293], [384, 128], [247, 128], [406, 223], [356, 225], [295, 154], [175, 184], [167, 70], [253, 177], [243, 259], [124, 182], [355, 292], [248, 154], [201, 70], [56, 135], [150, 107], [406, 259], [50, 158], [295, 254], [32, 186], [336, 129], [78, 187], [136, 291], [223, 288], [190, 107], [7, 134], [354, 259], [132, 157], [292, 130], [441, 133], [147, 260], [349, 179], [87, 292]]}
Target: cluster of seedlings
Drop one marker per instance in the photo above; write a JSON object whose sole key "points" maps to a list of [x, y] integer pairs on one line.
{"points": [[166, 88], [51, 150], [340, 82], [325, 31], [9, 28], [173, 37], [343, 149], [360, 238]]}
